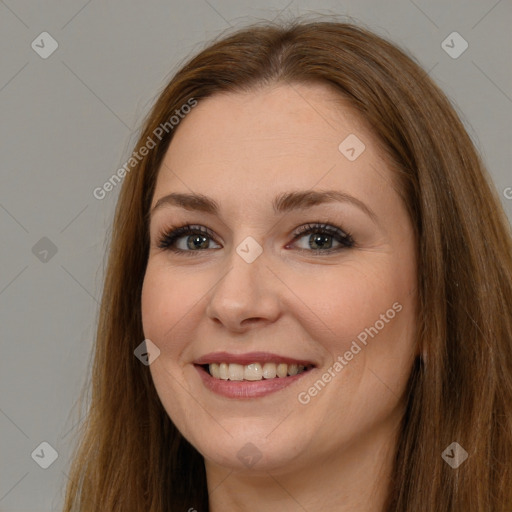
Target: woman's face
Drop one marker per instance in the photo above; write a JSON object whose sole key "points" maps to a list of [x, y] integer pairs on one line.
{"points": [[258, 297]]}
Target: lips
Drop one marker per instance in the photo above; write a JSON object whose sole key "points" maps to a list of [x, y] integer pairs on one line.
{"points": [[234, 381], [250, 358]]}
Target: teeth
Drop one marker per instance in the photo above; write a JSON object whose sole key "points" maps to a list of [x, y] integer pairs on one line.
{"points": [[223, 371], [236, 372], [282, 370], [293, 369], [214, 370], [254, 371], [269, 370]]}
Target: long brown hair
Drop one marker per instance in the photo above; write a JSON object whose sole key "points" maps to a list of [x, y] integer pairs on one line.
{"points": [[131, 457]]}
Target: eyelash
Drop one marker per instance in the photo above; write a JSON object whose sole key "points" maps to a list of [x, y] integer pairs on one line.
{"points": [[169, 236]]}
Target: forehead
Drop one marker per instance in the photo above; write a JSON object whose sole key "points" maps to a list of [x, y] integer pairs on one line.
{"points": [[271, 139], [274, 116]]}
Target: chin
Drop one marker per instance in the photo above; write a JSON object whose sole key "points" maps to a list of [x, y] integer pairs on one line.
{"points": [[255, 451]]}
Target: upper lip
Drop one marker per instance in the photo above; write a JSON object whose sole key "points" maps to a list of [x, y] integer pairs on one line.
{"points": [[249, 358]]}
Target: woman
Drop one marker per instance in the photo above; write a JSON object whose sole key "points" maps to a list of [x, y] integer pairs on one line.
{"points": [[341, 337]]}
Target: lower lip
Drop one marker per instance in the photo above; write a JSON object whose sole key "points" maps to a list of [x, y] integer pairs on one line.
{"points": [[246, 389]]}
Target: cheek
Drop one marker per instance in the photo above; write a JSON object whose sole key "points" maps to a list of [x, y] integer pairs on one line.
{"points": [[366, 316], [167, 306], [167, 298], [344, 301]]}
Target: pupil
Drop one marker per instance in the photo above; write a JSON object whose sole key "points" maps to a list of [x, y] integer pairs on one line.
{"points": [[320, 240], [197, 241]]}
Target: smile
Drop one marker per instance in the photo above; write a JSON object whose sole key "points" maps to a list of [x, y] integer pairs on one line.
{"points": [[249, 375], [253, 371]]}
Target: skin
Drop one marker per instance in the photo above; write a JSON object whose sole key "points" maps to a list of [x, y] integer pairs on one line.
{"points": [[242, 150]]}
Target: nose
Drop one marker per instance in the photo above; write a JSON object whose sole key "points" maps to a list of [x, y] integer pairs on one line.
{"points": [[246, 296]]}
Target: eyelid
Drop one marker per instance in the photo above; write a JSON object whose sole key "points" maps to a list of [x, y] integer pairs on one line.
{"points": [[342, 236], [320, 226], [169, 235]]}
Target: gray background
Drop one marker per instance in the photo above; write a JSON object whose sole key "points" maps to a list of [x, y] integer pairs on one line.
{"points": [[68, 122]]}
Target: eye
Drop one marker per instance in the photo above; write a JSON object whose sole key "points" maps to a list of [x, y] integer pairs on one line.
{"points": [[320, 238], [197, 238]]}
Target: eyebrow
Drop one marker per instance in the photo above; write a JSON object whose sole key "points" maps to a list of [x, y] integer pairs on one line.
{"points": [[282, 203]]}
